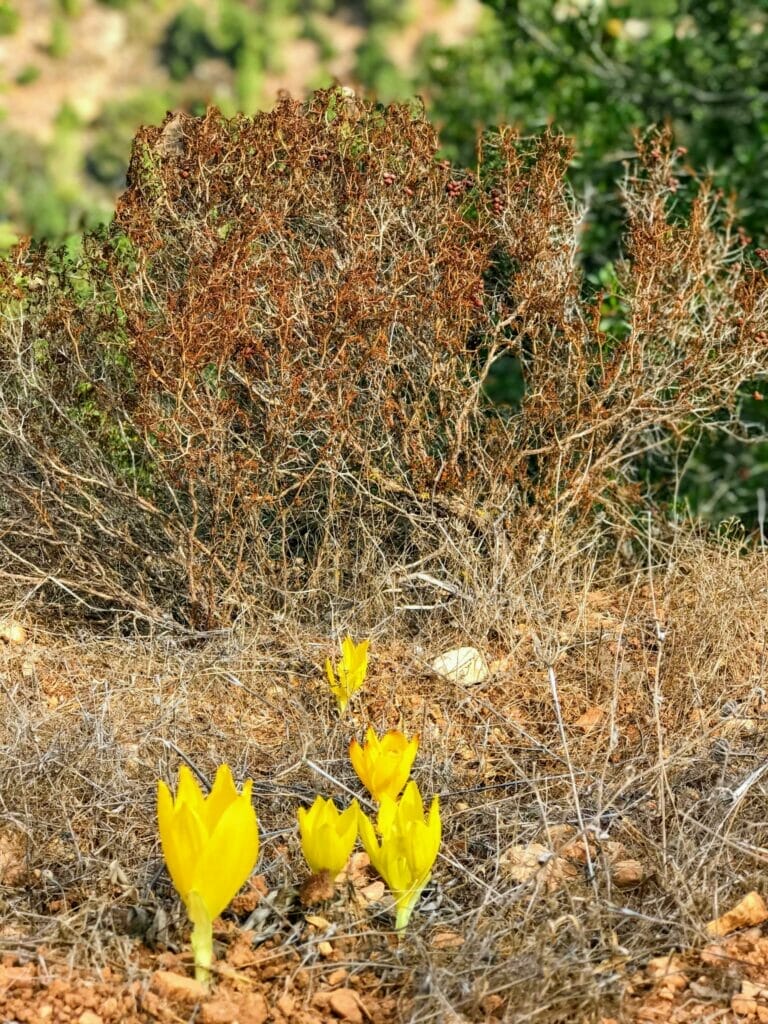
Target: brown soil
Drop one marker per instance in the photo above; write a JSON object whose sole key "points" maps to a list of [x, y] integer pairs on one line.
{"points": [[725, 982]]}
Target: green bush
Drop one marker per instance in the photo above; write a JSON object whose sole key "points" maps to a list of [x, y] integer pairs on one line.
{"points": [[375, 69], [107, 156], [28, 74], [186, 42], [9, 18], [248, 38]]}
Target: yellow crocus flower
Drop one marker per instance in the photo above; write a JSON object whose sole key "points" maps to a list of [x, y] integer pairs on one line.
{"points": [[383, 765], [327, 835], [210, 845], [408, 848], [349, 674]]}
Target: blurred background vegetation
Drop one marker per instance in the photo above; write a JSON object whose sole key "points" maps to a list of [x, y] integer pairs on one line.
{"points": [[77, 77]]}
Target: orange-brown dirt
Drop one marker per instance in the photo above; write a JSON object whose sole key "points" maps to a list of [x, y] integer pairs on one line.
{"points": [[725, 982]]}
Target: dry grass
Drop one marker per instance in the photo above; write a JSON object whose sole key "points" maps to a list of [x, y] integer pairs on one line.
{"points": [[674, 657]]}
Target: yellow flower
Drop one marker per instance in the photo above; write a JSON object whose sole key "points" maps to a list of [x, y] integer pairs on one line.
{"points": [[383, 765], [210, 845], [408, 849], [349, 674], [327, 835]]}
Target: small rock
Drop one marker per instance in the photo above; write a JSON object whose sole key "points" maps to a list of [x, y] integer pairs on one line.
{"points": [[589, 720], [675, 982], [317, 921], [462, 665], [12, 632], [748, 912], [89, 1017], [245, 1009], [219, 1011], [372, 893], [744, 1006], [178, 988], [446, 939], [337, 977], [493, 1005], [626, 873], [345, 1003], [713, 955], [524, 862], [536, 861], [246, 902], [579, 850], [286, 1004], [253, 1009], [703, 990], [665, 992], [664, 968]]}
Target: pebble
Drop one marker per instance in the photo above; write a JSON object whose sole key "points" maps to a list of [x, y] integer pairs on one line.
{"points": [[178, 988], [345, 1003]]}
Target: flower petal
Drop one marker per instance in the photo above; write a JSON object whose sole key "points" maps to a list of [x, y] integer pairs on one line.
{"points": [[331, 677], [310, 826], [189, 792], [183, 838], [230, 855], [370, 843], [387, 816], [223, 794], [359, 761]]}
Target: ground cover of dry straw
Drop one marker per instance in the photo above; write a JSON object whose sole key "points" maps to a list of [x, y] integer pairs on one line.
{"points": [[579, 869]]}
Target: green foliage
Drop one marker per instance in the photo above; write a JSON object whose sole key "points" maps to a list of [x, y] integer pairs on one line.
{"points": [[248, 38], [186, 42], [600, 69], [107, 157], [393, 13], [375, 69], [28, 74], [9, 18], [40, 185], [312, 29], [726, 475], [8, 236], [59, 43]]}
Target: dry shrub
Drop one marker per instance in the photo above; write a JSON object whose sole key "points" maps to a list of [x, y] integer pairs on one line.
{"points": [[263, 388]]}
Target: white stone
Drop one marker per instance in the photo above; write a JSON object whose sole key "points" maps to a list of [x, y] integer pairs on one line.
{"points": [[462, 665]]}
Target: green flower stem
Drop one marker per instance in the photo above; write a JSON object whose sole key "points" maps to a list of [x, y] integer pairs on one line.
{"points": [[202, 937], [406, 908]]}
